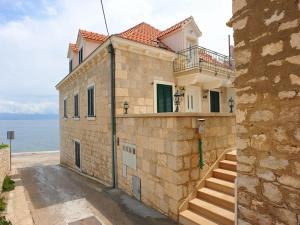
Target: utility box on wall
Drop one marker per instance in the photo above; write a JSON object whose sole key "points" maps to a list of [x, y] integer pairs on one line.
{"points": [[129, 155]]}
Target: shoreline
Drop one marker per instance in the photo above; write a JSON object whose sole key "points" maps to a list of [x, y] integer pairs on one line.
{"points": [[32, 153]]}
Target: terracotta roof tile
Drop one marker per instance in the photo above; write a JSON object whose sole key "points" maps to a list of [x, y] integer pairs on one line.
{"points": [[73, 47], [145, 34], [142, 33], [93, 36], [175, 27]]}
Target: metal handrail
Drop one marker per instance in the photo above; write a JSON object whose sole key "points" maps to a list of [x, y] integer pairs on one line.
{"points": [[203, 58]]}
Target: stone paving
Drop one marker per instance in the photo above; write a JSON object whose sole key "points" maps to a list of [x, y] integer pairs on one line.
{"points": [[59, 196]]}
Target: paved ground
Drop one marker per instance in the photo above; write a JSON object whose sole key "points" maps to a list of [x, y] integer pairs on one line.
{"points": [[59, 196]]}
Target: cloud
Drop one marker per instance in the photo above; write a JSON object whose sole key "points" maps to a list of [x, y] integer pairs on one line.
{"points": [[28, 108], [34, 36]]}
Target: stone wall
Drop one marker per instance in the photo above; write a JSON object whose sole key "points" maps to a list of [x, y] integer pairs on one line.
{"points": [[4, 165], [167, 150], [94, 134], [135, 76], [267, 53]]}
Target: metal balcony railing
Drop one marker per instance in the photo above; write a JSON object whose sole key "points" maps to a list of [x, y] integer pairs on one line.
{"points": [[203, 58]]}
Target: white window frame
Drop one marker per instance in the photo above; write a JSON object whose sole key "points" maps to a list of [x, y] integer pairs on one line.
{"points": [[87, 112], [215, 90], [76, 117], [155, 83], [65, 109], [74, 142]]}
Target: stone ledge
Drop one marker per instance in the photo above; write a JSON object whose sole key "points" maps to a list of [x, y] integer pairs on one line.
{"points": [[173, 114]]}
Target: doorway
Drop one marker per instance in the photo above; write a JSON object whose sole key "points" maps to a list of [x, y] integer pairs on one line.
{"points": [[214, 101], [77, 154], [192, 99]]}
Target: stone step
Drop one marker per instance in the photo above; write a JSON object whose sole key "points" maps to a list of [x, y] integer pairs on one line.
{"points": [[220, 185], [212, 212], [224, 174], [189, 217], [228, 165], [231, 155], [219, 198]]}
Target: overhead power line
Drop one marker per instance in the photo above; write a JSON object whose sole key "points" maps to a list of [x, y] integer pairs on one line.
{"points": [[103, 12]]}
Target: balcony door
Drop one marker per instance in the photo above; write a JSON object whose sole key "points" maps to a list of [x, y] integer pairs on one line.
{"points": [[214, 101], [192, 99], [164, 94]]}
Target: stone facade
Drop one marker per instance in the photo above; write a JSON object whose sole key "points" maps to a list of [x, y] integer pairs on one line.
{"points": [[4, 165], [167, 151], [267, 52], [94, 134]]}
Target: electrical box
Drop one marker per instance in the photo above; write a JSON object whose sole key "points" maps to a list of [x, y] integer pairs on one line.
{"points": [[129, 155], [136, 187], [201, 126]]}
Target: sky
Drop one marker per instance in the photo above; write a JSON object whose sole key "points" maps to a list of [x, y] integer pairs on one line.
{"points": [[34, 37]]}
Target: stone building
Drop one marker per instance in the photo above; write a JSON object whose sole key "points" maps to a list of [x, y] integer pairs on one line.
{"points": [[118, 125], [267, 52]]}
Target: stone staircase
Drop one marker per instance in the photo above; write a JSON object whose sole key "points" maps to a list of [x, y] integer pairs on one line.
{"points": [[215, 201]]}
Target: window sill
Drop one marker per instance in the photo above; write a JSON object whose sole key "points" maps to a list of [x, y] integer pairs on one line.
{"points": [[76, 118], [91, 118], [65, 118]]}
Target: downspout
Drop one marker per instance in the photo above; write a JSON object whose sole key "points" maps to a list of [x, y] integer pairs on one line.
{"points": [[111, 50]]}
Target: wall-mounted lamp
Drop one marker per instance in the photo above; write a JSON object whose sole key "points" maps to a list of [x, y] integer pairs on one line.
{"points": [[205, 93], [231, 104], [125, 107], [177, 99]]}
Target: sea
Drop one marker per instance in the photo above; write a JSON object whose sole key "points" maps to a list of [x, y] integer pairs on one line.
{"points": [[31, 134]]}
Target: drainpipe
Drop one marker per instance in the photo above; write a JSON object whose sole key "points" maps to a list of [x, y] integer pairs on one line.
{"points": [[111, 50]]}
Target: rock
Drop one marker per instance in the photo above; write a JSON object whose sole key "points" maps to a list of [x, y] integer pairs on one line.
{"points": [[238, 5], [265, 174], [272, 192], [246, 99], [248, 182], [244, 168], [262, 115], [295, 79], [275, 17], [240, 115], [246, 159], [295, 40], [272, 163], [293, 200], [272, 49], [286, 94], [288, 25], [240, 24], [242, 56], [290, 181], [285, 215], [293, 59]]}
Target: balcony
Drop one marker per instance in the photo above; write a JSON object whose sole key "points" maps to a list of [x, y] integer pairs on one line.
{"points": [[202, 59]]}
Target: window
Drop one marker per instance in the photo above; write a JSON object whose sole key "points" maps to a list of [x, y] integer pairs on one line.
{"points": [[76, 106], [70, 65], [77, 153], [65, 108], [80, 55], [91, 101], [164, 98]]}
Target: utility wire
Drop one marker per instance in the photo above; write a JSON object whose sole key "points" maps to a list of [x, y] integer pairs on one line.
{"points": [[103, 11]]}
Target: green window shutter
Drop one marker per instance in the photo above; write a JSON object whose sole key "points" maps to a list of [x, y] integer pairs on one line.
{"points": [[168, 98], [214, 101], [164, 98]]}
